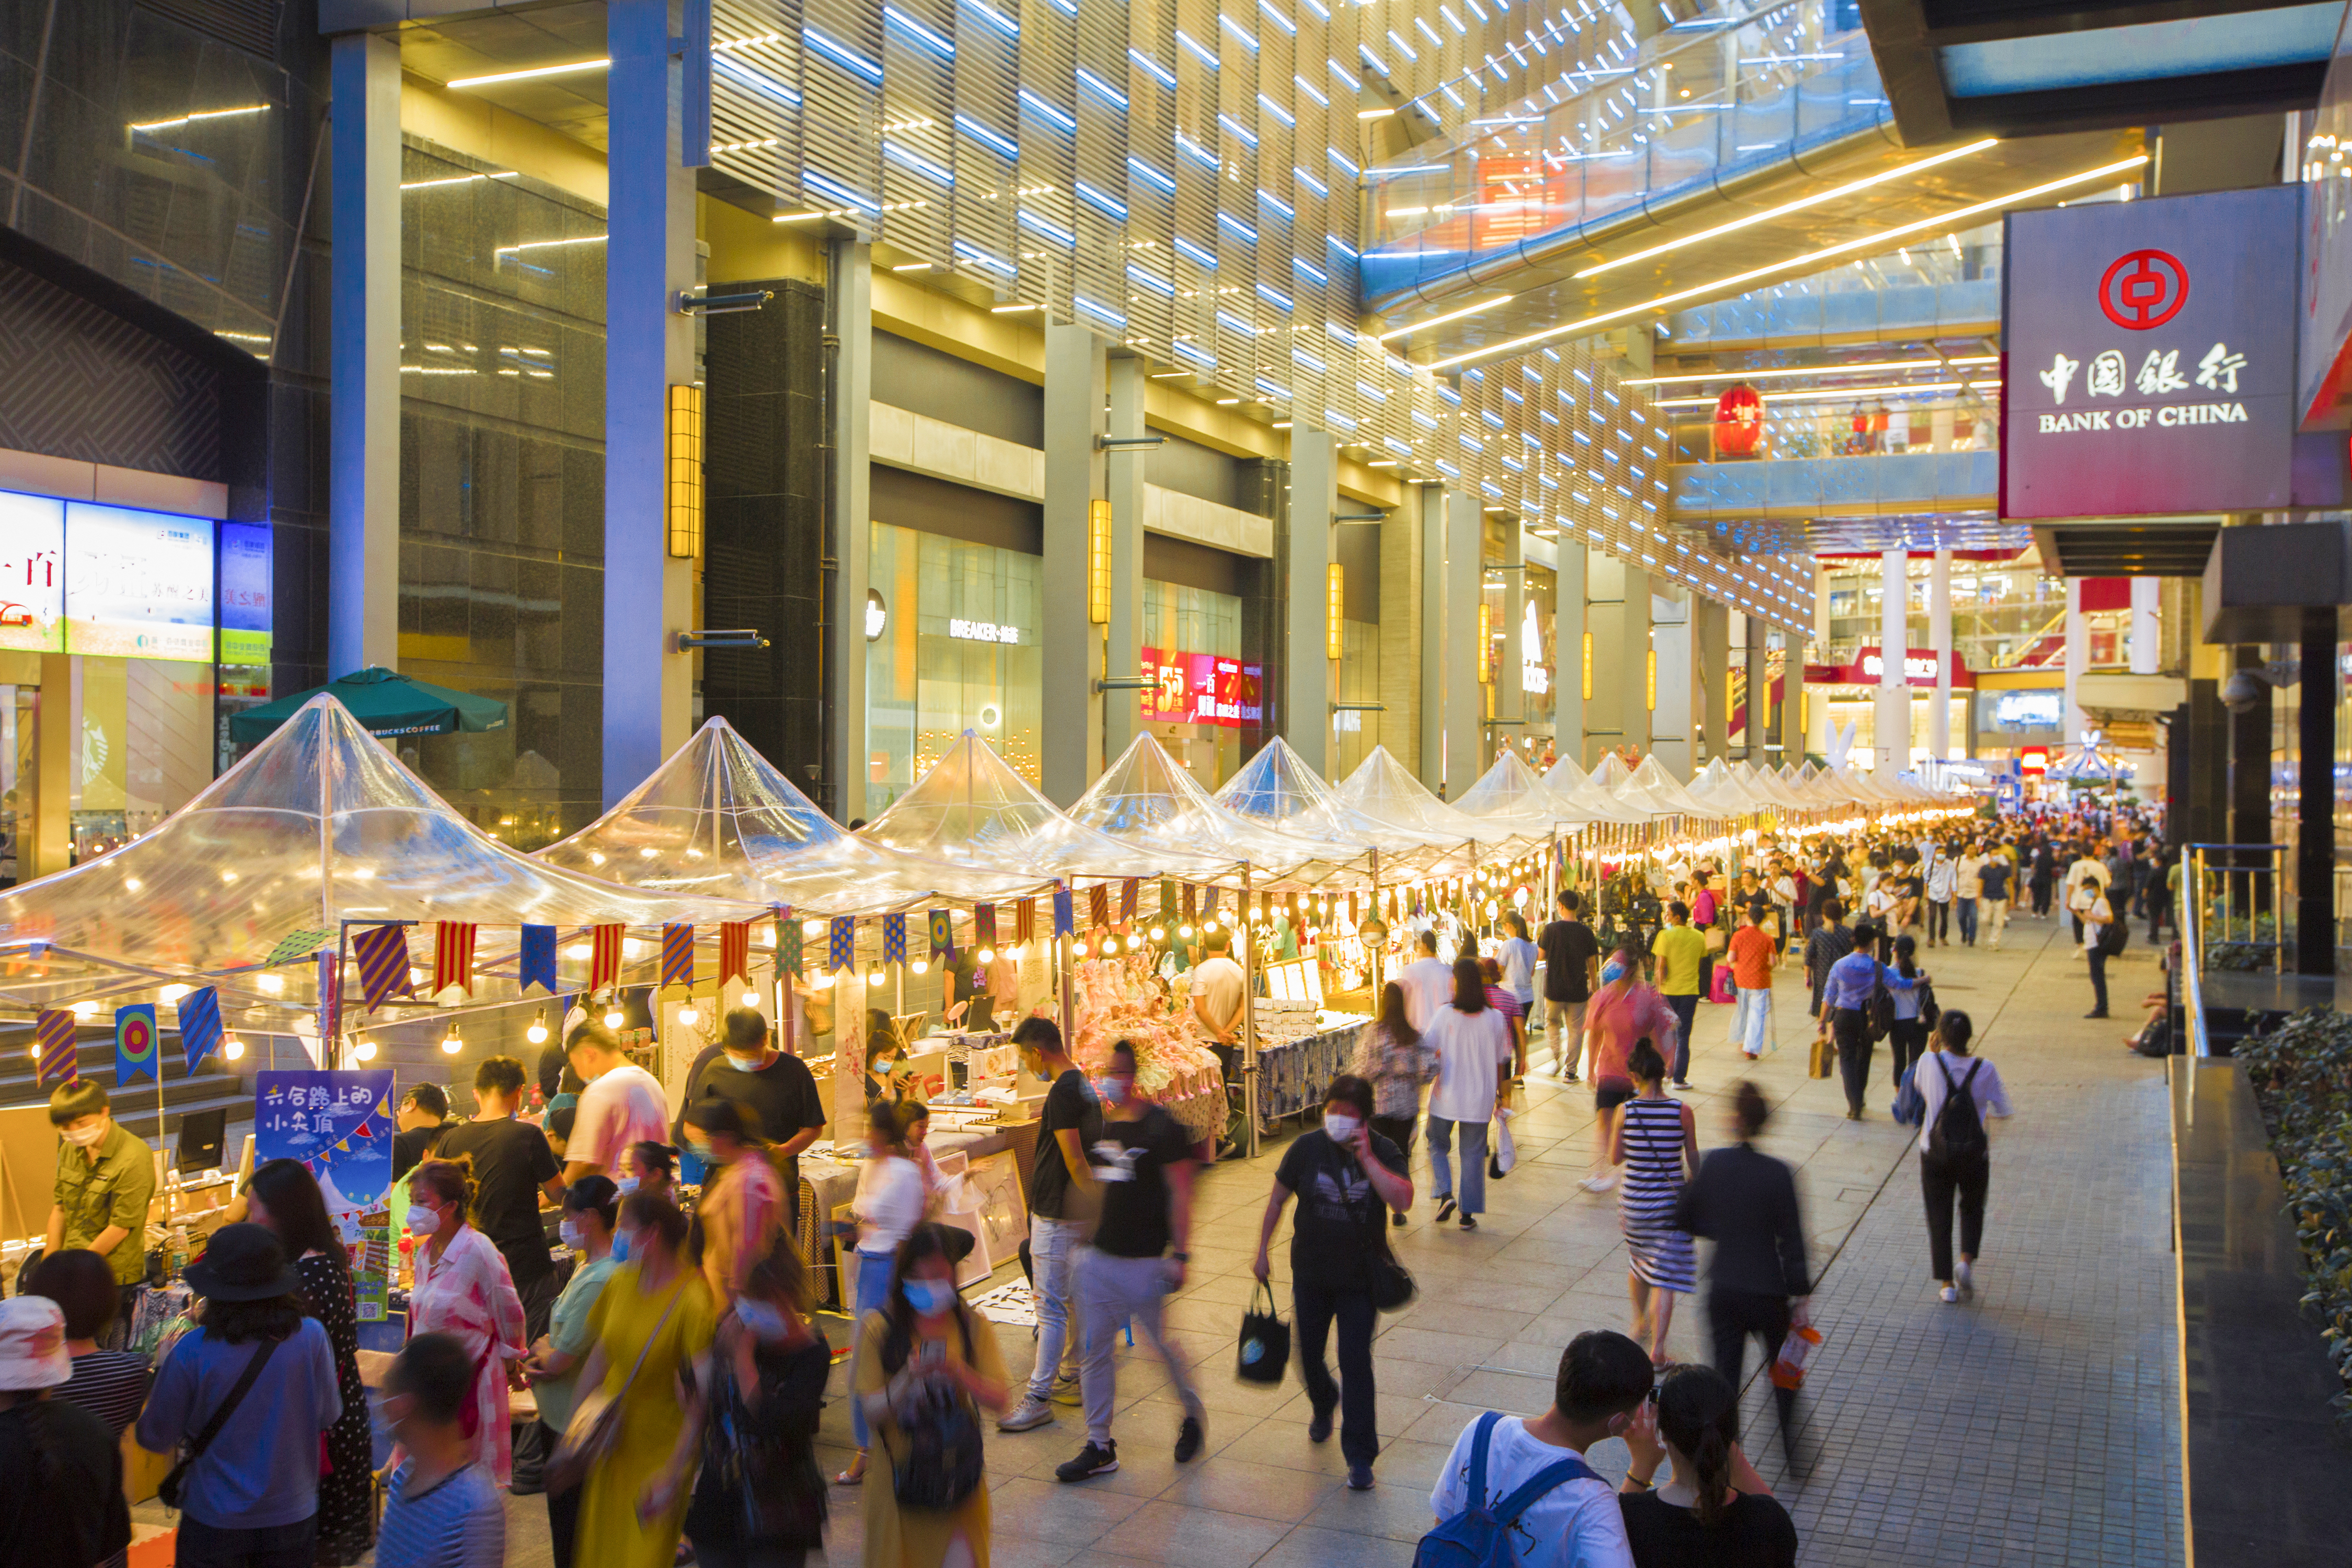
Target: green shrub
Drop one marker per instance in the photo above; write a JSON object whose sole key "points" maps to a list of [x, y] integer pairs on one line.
{"points": [[2302, 1077]]}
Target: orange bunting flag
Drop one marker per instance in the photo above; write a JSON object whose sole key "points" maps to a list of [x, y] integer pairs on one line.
{"points": [[604, 955], [453, 955]]}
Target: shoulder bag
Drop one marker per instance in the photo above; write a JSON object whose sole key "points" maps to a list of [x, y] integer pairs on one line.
{"points": [[1393, 1286], [172, 1484], [594, 1428]]}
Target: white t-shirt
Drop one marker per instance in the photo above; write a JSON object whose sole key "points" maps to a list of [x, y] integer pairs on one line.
{"points": [[1218, 983], [1578, 1524], [1471, 1047], [888, 1204], [1930, 1077], [623, 1107], [1428, 986]]}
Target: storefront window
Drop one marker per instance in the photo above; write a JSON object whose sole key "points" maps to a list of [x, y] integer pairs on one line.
{"points": [[1355, 729], [952, 645], [1192, 631]]}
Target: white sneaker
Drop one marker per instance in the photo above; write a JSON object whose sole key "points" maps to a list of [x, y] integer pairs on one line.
{"points": [[1948, 1295], [1598, 1184], [1029, 1414], [1964, 1280]]}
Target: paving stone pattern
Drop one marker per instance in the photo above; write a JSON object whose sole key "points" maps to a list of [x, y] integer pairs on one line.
{"points": [[2037, 1425]]}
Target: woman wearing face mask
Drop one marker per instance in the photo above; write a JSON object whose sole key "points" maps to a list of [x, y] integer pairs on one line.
{"points": [[759, 1499], [463, 1289], [887, 1206], [650, 1168], [591, 1205], [743, 1209], [923, 1352], [652, 1318], [285, 1198], [1622, 1012]]}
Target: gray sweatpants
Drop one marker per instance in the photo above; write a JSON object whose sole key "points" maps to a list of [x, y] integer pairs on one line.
{"points": [[1114, 1292]]}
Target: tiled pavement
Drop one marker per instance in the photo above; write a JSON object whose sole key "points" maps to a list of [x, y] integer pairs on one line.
{"points": [[2039, 1425]]}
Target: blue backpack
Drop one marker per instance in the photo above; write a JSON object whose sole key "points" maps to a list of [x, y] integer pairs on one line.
{"points": [[1480, 1535]]}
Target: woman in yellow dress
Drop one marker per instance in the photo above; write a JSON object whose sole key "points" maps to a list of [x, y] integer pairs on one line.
{"points": [[924, 1340], [653, 1299]]}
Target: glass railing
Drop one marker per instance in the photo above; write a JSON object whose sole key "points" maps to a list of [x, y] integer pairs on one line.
{"points": [[1814, 433], [1947, 286], [1709, 99]]}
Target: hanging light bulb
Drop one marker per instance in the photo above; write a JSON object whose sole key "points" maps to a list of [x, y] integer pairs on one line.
{"points": [[452, 1043], [364, 1051], [874, 976], [686, 1014], [85, 1009], [615, 1018], [1183, 930], [812, 927], [986, 955], [822, 980], [232, 1048], [1134, 942], [1160, 933], [921, 967], [537, 1032], [274, 984], [1013, 952], [751, 998]]}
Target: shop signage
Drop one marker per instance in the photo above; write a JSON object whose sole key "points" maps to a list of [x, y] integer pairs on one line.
{"points": [[1534, 672], [1203, 688], [2325, 321], [339, 1126], [32, 573], [2033, 759], [2148, 369], [244, 586], [983, 631], [138, 584], [1919, 670]]}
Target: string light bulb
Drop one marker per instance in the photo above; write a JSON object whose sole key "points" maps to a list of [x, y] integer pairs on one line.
{"points": [[537, 1032], [452, 1042], [232, 1048], [751, 998], [921, 967], [364, 1051], [874, 976], [986, 955], [615, 1018], [274, 984], [823, 981], [688, 1015]]}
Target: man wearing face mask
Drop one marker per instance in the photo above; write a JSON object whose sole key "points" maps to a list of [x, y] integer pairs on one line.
{"points": [[1145, 1164], [746, 1067], [1063, 1195], [105, 1178]]}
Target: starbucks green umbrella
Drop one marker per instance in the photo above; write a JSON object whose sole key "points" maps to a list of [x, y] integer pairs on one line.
{"points": [[385, 702]]}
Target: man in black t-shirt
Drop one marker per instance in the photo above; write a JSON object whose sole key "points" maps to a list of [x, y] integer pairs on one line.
{"points": [[1062, 1193], [1345, 1175], [775, 1085], [1144, 1161], [1572, 957], [424, 1117], [512, 1166]]}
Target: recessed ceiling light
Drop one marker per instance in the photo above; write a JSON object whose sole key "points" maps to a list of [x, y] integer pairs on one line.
{"points": [[497, 76]]}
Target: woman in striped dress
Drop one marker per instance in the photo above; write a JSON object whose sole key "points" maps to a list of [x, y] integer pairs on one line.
{"points": [[1657, 1142]]}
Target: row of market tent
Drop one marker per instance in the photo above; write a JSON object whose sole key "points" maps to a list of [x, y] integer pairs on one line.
{"points": [[253, 887]]}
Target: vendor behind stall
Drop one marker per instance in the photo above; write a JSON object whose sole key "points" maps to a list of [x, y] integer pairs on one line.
{"points": [[776, 1085], [105, 1180]]}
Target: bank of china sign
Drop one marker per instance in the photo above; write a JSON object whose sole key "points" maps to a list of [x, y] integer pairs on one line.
{"points": [[2149, 351]]}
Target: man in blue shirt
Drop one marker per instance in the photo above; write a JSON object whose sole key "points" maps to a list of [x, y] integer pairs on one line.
{"points": [[1844, 997]]}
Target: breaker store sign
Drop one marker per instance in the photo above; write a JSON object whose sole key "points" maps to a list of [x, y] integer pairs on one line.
{"points": [[2149, 356]]}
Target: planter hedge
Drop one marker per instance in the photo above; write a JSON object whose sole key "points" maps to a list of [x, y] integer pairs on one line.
{"points": [[2302, 1077]]}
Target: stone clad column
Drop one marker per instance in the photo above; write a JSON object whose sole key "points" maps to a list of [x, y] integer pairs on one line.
{"points": [[1077, 377], [364, 323]]}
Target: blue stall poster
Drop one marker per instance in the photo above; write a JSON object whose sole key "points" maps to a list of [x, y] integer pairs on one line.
{"points": [[339, 1124]]}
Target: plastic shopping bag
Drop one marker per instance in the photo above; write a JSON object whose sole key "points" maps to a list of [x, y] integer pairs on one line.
{"points": [[1502, 1157], [1722, 990], [1789, 1368]]}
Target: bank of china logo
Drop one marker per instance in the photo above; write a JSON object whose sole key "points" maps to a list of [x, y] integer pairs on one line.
{"points": [[2143, 288]]}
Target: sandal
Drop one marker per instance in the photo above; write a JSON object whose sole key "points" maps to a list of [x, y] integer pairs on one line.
{"points": [[852, 1477]]}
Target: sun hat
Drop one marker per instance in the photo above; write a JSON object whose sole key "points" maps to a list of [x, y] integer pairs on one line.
{"points": [[33, 1344], [242, 1263]]}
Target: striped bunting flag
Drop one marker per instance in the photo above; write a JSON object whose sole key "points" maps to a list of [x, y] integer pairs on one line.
{"points": [[734, 951], [677, 955], [604, 956], [453, 955], [53, 1031], [1127, 895], [1098, 906], [200, 1027], [381, 953], [1024, 920]]}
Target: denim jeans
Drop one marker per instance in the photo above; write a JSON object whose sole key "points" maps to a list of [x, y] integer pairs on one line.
{"points": [[1752, 1022], [1472, 1193], [1053, 1249], [203, 1545], [1967, 913], [1685, 1010], [873, 1288], [1318, 1310]]}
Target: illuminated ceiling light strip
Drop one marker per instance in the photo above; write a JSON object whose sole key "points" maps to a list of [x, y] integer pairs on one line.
{"points": [[1822, 394], [1720, 285], [565, 70], [1782, 211], [200, 114], [1450, 316], [1874, 367], [457, 180], [547, 244]]}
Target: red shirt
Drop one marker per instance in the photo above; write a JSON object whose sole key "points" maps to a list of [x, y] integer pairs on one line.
{"points": [[1751, 959]]}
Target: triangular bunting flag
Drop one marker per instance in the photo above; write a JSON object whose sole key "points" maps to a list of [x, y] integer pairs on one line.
{"points": [[134, 1043], [535, 962], [677, 955], [944, 934], [298, 945], [841, 938], [983, 925], [604, 955], [382, 955], [1024, 920], [453, 955], [200, 1027], [53, 1031], [894, 939], [734, 951]]}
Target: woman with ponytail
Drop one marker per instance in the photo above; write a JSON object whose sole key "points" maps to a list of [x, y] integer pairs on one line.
{"points": [[1715, 1511]]}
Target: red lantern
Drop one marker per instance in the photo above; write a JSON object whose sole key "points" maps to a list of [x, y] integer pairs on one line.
{"points": [[1739, 423]]}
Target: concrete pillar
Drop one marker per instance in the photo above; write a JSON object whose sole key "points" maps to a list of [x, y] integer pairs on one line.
{"points": [[1431, 769], [1673, 722], [649, 348], [1465, 717], [44, 812], [1891, 711], [1759, 688], [1510, 677], [2078, 658], [1568, 640], [1307, 654], [1122, 646], [363, 372], [1711, 680], [1939, 639], [1401, 631], [849, 310], [1617, 614], [2146, 638], [1077, 376]]}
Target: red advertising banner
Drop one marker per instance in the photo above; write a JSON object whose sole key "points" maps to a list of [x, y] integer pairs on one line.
{"points": [[1201, 688]]}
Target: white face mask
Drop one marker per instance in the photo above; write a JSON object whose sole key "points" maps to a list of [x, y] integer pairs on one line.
{"points": [[763, 1320], [423, 1221], [742, 1063], [626, 1184], [1341, 1127], [570, 1231], [85, 1137]]}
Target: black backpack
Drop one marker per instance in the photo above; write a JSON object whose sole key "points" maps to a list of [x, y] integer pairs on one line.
{"points": [[942, 1465], [2113, 937], [1878, 1012], [1958, 1132]]}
